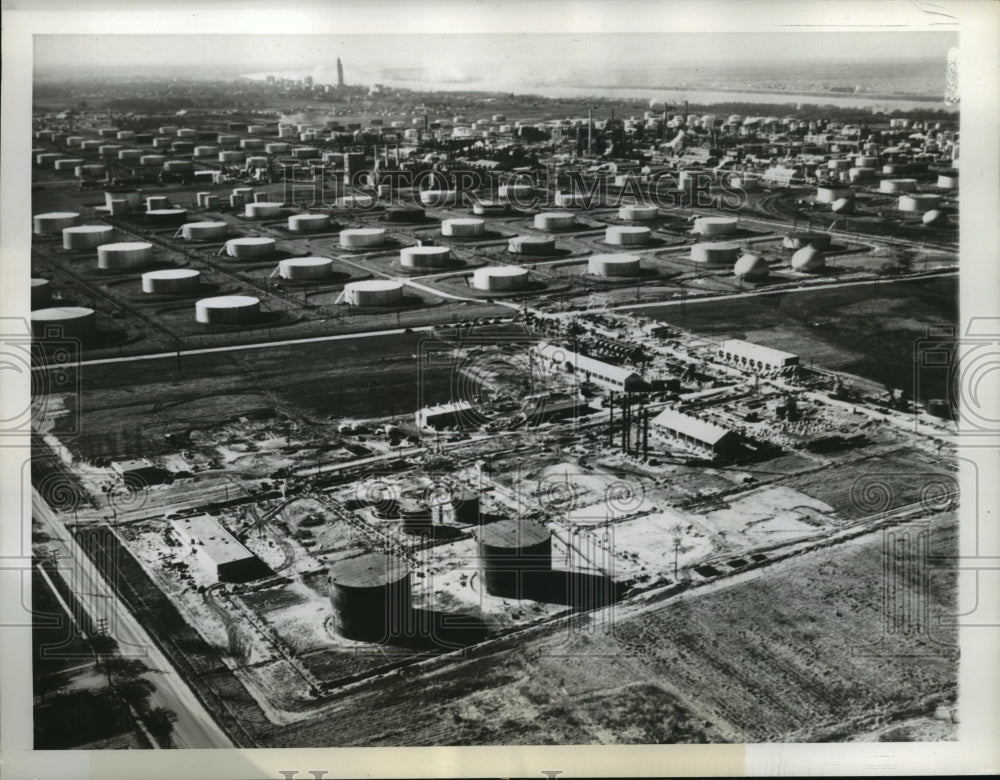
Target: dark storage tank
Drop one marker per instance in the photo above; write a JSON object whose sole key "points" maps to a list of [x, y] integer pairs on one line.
{"points": [[370, 596], [511, 555]]}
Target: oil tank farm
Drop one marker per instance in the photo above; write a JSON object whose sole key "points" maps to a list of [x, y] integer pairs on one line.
{"points": [[638, 213], [510, 553], [227, 310], [54, 222], [715, 253], [753, 268], [628, 236], [70, 322], [204, 231], [373, 292], [124, 255], [41, 293], [809, 259], [362, 238], [250, 248], [919, 202], [86, 236], [799, 240], [308, 223], [370, 596], [715, 226], [305, 269], [613, 265], [531, 245], [166, 217], [463, 228], [505, 278], [897, 185], [171, 281], [554, 220], [425, 257]]}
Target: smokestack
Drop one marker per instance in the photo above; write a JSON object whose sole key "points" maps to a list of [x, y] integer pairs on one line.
{"points": [[590, 131], [611, 422]]}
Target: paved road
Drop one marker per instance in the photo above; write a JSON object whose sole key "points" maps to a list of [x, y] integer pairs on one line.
{"points": [[195, 727]]}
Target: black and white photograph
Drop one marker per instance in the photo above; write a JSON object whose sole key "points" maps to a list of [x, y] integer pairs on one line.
{"points": [[617, 388]]}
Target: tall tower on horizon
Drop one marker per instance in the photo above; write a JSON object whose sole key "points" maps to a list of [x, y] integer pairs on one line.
{"points": [[340, 73]]}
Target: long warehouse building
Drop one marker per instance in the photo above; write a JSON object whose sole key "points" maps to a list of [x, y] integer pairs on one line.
{"points": [[755, 357], [600, 373], [704, 436]]}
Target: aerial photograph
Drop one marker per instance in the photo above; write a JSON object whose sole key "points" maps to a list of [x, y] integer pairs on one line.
{"points": [[493, 389]]}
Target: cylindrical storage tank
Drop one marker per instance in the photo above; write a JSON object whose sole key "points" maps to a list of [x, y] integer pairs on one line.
{"points": [[117, 206], [232, 157], [167, 130], [490, 208], [799, 240], [182, 147], [415, 515], [41, 293], [809, 259], [91, 169], [176, 166], [152, 160], [554, 220], [305, 153], [54, 222], [171, 281], [566, 200], [133, 198], [305, 268], [262, 210], [237, 200], [463, 228], [508, 550], [628, 236], [166, 217], [204, 231], [751, 267], [68, 163], [519, 192], [715, 226], [130, 155], [361, 238], [211, 201], [838, 165], [227, 310], [227, 139], [90, 145], [205, 151], [258, 161], [438, 198], [503, 278], [531, 245], [277, 148], [308, 223], [405, 214], [256, 129], [187, 132], [935, 218], [638, 213], [108, 132], [246, 192], [251, 144], [613, 265], [861, 174], [715, 253], [250, 247], [865, 161], [157, 202], [373, 292], [919, 202], [897, 185], [947, 181], [351, 202], [74, 322], [465, 505], [47, 158], [127, 254], [287, 132], [830, 194], [425, 257], [842, 206], [86, 236], [370, 596], [125, 135], [109, 150]]}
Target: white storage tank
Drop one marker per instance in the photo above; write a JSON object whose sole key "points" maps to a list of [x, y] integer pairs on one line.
{"points": [[54, 222], [167, 130], [751, 267], [205, 151], [152, 160], [204, 231], [425, 257], [831, 194], [638, 213], [935, 218], [838, 165], [126, 254], [712, 253], [126, 135], [227, 310], [176, 166], [628, 236], [438, 198], [134, 199], [263, 210], [227, 139], [46, 158], [715, 226], [919, 203], [897, 185], [186, 132], [109, 150], [73, 322], [948, 181], [41, 293], [251, 144], [86, 236], [554, 220], [250, 247], [308, 223], [232, 157], [130, 155], [277, 148], [532, 245], [305, 268], [91, 145], [171, 281], [519, 192], [809, 259], [362, 238], [866, 161], [373, 292], [68, 163], [490, 208], [463, 228], [613, 265], [505, 278]]}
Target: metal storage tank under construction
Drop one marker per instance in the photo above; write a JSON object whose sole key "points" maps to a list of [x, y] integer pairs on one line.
{"points": [[554, 220], [76, 322], [799, 240], [508, 550], [157, 202], [171, 281], [808, 259], [465, 505], [463, 228], [897, 185], [613, 265], [68, 163], [166, 217], [308, 223], [227, 310], [504, 278], [919, 202], [715, 253], [263, 210], [715, 226], [305, 268], [638, 213], [531, 245], [41, 293], [250, 247], [373, 292], [438, 198], [628, 236], [54, 222], [127, 254], [362, 238], [370, 596], [406, 214], [751, 267], [86, 236], [204, 231], [425, 257]]}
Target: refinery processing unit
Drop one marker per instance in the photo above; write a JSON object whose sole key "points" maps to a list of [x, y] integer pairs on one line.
{"points": [[418, 418]]}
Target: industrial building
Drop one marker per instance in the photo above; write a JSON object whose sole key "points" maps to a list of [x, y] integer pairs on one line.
{"points": [[706, 437], [223, 556], [590, 369], [138, 472], [755, 357], [443, 415]]}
